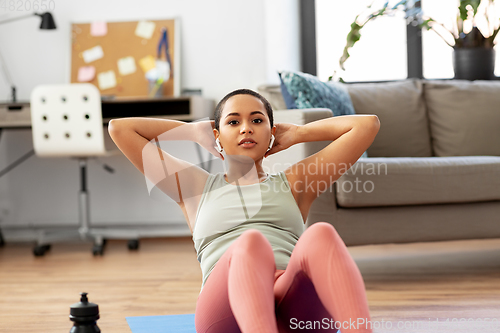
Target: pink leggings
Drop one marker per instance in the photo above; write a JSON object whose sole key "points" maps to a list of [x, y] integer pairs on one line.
{"points": [[245, 292]]}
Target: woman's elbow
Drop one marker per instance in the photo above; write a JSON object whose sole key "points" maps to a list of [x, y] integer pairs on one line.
{"points": [[116, 125], [375, 125], [375, 122], [112, 127], [370, 122]]}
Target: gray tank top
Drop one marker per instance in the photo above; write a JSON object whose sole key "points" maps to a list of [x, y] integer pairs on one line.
{"points": [[225, 211]]}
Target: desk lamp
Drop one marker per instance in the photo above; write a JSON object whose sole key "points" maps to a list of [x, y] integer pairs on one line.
{"points": [[46, 24]]}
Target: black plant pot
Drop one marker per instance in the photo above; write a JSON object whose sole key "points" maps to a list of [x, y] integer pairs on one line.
{"points": [[474, 63]]}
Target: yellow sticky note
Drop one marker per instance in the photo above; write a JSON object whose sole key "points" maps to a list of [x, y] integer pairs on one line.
{"points": [[106, 80], [147, 63]]}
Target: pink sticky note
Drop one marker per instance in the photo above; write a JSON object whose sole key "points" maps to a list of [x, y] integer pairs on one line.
{"points": [[98, 28], [86, 73]]}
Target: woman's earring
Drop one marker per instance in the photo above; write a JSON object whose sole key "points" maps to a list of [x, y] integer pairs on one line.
{"points": [[219, 148], [272, 142]]}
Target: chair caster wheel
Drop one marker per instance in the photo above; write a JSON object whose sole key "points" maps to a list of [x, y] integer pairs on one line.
{"points": [[98, 250], [133, 244], [39, 250]]}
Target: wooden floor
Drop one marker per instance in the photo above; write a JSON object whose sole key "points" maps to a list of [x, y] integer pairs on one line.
{"points": [[459, 279]]}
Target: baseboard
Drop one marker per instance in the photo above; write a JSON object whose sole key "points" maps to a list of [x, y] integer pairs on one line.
{"points": [[16, 233]]}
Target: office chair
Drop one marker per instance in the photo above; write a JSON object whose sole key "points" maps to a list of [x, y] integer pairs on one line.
{"points": [[67, 122]]}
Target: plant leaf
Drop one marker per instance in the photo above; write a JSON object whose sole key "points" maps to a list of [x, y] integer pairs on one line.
{"points": [[426, 24], [463, 7], [353, 36], [494, 35], [402, 2]]}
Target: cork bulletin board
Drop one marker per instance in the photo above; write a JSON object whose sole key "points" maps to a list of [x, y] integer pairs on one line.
{"points": [[121, 58]]}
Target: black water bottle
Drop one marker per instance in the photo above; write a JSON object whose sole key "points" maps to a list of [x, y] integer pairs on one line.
{"points": [[84, 315]]}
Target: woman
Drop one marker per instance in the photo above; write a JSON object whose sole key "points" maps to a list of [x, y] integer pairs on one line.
{"points": [[261, 271]]}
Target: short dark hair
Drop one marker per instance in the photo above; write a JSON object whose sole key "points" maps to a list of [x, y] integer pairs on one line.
{"points": [[220, 105]]}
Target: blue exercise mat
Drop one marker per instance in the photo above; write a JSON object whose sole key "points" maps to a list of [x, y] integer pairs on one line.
{"points": [[162, 324]]}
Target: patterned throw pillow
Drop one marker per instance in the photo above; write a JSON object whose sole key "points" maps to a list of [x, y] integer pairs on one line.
{"points": [[305, 91]]}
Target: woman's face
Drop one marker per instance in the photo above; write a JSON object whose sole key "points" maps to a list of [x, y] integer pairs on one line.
{"points": [[244, 117]]}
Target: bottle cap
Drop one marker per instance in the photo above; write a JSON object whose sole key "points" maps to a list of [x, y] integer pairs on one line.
{"points": [[84, 310]]}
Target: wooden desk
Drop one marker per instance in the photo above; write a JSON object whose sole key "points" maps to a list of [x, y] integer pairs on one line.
{"points": [[185, 108]]}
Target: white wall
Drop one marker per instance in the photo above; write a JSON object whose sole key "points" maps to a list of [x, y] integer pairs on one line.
{"points": [[225, 45], [223, 41], [282, 37]]}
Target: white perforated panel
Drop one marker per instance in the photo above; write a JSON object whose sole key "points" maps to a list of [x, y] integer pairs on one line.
{"points": [[67, 120]]}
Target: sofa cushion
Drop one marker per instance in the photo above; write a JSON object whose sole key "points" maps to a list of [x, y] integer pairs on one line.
{"points": [[272, 93], [304, 91], [289, 99], [307, 91], [464, 117], [400, 181], [404, 127]]}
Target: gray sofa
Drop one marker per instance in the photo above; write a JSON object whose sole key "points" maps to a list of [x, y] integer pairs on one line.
{"points": [[433, 171]]}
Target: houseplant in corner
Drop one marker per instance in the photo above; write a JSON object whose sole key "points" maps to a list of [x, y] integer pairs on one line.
{"points": [[472, 43]]}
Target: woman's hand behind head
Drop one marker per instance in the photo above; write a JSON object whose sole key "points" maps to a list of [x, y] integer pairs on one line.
{"points": [[205, 137], [285, 137]]}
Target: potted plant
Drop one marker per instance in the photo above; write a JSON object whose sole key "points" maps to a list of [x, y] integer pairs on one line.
{"points": [[473, 53]]}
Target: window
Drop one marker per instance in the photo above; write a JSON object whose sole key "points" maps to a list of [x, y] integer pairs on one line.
{"points": [[379, 55], [437, 55]]}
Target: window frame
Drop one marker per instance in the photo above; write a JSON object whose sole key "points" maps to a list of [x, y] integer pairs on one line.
{"points": [[414, 50], [308, 43]]}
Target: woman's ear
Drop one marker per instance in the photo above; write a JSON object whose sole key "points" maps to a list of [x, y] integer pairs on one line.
{"points": [[216, 133]]}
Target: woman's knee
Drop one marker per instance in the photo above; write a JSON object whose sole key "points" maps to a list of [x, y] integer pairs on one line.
{"points": [[323, 234], [252, 238], [322, 227], [254, 242]]}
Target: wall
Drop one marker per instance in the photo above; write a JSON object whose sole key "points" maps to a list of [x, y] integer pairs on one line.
{"points": [[225, 45]]}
